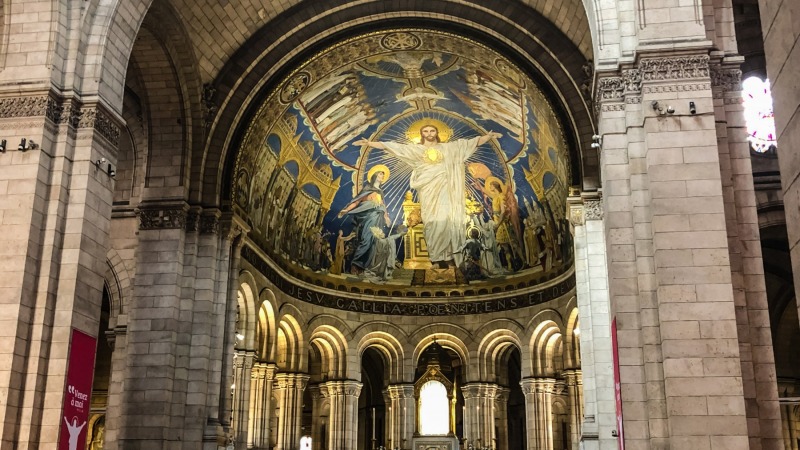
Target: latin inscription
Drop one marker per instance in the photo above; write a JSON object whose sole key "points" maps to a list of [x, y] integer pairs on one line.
{"points": [[421, 307]]}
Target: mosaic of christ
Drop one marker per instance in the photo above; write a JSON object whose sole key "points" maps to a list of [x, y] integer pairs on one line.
{"points": [[407, 158]]}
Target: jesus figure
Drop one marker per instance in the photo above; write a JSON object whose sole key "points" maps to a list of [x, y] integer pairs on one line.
{"points": [[438, 176]]}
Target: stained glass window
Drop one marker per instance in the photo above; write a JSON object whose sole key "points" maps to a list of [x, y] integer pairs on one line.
{"points": [[758, 115]]}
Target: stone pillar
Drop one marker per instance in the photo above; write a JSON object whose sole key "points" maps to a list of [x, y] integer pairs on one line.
{"points": [[539, 412], [744, 251], [574, 382], [117, 338], [55, 204], [343, 418], [223, 330], [670, 274], [479, 406], [387, 421], [260, 405], [597, 372], [501, 418], [290, 387], [404, 413], [317, 419], [242, 374]]}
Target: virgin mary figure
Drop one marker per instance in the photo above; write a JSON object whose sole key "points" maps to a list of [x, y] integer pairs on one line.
{"points": [[368, 211]]}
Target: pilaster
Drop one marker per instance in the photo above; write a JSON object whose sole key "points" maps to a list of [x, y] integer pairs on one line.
{"points": [[501, 418], [55, 204], [597, 420], [263, 376], [539, 412], [343, 418], [243, 361], [403, 414], [289, 389], [479, 417]]}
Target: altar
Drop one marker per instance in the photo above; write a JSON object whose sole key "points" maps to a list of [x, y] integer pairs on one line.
{"points": [[434, 443]]}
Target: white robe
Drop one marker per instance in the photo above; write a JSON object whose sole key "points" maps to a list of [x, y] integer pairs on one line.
{"points": [[440, 189]]}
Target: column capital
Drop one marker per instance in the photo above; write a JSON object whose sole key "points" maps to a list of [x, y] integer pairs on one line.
{"points": [[397, 391], [573, 377], [537, 385], [480, 390], [291, 380], [349, 388], [585, 206]]}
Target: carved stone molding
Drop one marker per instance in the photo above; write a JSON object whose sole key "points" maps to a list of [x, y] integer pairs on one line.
{"points": [[15, 107], [61, 111], [593, 210], [728, 79], [576, 216], [192, 221], [691, 87], [610, 88], [209, 224], [674, 68], [101, 122], [167, 218]]}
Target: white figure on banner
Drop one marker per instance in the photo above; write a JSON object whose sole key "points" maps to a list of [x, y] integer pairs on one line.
{"points": [[74, 432]]}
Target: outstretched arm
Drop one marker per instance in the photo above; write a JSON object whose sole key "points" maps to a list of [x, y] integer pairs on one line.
{"points": [[368, 143], [488, 136]]}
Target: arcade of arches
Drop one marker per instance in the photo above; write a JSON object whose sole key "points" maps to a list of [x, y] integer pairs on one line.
{"points": [[439, 224]]}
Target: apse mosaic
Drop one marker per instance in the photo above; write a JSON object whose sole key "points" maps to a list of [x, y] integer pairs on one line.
{"points": [[407, 158]]}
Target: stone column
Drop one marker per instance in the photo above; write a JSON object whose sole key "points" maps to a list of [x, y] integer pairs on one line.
{"points": [[574, 380], [597, 406], [744, 251], [290, 387], [117, 338], [404, 413], [479, 404], [260, 405], [55, 204], [343, 418], [539, 412], [387, 421], [670, 273], [501, 418], [317, 421], [242, 374]]}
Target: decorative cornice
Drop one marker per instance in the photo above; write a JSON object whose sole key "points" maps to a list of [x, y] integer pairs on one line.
{"points": [[593, 209], [209, 224], [101, 122], [610, 88], [674, 68], [16, 107], [729, 79], [162, 218], [61, 111], [660, 89]]}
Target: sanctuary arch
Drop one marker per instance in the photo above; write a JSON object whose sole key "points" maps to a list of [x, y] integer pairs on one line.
{"points": [[193, 197]]}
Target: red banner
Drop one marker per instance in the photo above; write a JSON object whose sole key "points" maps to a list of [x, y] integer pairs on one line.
{"points": [[78, 391], [617, 387]]}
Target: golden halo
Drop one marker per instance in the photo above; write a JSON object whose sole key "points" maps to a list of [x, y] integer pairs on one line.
{"points": [[489, 181], [379, 168], [413, 132]]}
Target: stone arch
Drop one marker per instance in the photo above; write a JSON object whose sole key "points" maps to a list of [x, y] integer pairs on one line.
{"points": [[448, 336], [382, 336], [267, 327], [572, 341], [118, 281], [546, 329], [247, 313], [493, 346], [111, 35], [291, 351], [330, 336], [269, 54]]}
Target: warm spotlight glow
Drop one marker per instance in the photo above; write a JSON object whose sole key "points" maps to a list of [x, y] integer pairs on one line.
{"points": [[434, 415]]}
